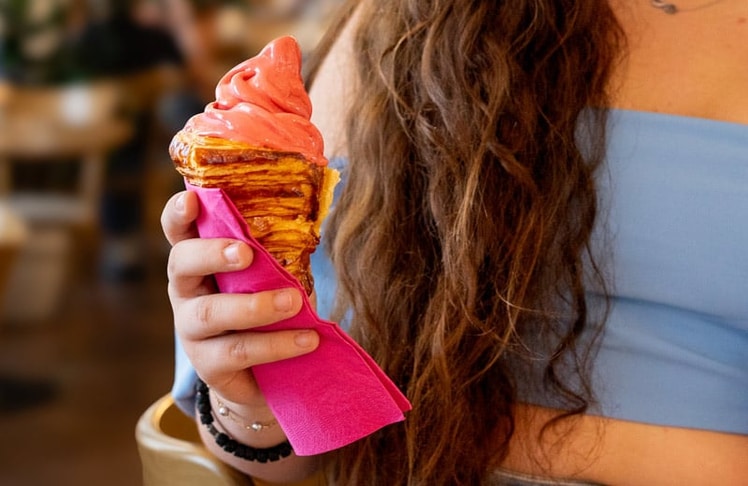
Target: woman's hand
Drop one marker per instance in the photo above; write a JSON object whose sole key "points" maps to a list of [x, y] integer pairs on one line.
{"points": [[216, 329]]}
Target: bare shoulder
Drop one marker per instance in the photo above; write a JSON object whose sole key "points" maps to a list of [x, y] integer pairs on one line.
{"points": [[332, 89]]}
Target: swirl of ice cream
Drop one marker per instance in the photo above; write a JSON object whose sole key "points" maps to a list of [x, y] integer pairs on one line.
{"points": [[263, 102]]}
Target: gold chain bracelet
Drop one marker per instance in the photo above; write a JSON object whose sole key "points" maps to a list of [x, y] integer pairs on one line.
{"points": [[256, 426]]}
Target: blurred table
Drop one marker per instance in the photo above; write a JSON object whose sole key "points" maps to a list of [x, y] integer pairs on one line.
{"points": [[78, 122]]}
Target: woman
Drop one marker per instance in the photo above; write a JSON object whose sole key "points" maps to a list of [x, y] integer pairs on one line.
{"points": [[537, 239]]}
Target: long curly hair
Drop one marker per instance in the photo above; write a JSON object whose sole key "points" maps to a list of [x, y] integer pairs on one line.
{"points": [[464, 224]]}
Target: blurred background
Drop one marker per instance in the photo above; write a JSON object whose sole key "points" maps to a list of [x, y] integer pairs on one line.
{"points": [[91, 92]]}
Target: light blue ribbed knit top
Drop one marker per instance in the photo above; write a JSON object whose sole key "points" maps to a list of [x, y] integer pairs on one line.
{"points": [[674, 233], [675, 347]]}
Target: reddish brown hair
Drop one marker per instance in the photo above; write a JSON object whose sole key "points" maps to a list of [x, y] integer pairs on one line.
{"points": [[466, 216]]}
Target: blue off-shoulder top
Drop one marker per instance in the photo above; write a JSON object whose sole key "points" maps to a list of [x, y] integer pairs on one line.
{"points": [[672, 241], [674, 226]]}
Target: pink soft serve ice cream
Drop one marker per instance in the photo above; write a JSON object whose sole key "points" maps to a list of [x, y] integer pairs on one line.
{"points": [[262, 102]]}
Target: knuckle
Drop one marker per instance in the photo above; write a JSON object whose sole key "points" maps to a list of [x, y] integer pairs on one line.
{"points": [[254, 348], [171, 265], [276, 350], [238, 350], [166, 220], [204, 311], [172, 293], [256, 310], [176, 263], [252, 305]]}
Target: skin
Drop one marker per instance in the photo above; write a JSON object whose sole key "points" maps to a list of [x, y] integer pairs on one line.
{"points": [[690, 64]]}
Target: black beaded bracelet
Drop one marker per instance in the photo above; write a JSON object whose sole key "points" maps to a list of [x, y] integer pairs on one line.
{"points": [[243, 451]]}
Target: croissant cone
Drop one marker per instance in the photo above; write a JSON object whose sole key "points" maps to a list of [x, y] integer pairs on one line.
{"points": [[257, 143]]}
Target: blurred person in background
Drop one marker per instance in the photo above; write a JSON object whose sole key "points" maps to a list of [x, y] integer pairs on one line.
{"points": [[35, 54], [60, 43], [123, 40], [214, 35], [57, 42], [193, 26], [33, 42]]}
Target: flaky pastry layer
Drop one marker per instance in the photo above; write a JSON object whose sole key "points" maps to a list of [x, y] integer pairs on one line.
{"points": [[282, 197]]}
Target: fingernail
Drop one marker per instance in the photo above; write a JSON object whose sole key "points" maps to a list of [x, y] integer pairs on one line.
{"points": [[231, 253], [304, 339], [283, 301], [179, 202]]}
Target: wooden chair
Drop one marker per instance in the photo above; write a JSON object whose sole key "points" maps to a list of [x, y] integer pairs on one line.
{"points": [[172, 454]]}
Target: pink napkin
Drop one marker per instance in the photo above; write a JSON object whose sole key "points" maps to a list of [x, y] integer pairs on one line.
{"points": [[323, 400]]}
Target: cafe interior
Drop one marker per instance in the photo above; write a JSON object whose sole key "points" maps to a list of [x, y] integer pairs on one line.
{"points": [[91, 92]]}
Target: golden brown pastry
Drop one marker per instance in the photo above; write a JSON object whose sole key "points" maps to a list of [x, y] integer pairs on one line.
{"points": [[257, 143]]}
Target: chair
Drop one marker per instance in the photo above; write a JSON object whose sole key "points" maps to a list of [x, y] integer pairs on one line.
{"points": [[77, 122], [13, 236], [172, 454]]}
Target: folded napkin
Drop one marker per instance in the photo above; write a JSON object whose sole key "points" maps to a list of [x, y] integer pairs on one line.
{"points": [[323, 400]]}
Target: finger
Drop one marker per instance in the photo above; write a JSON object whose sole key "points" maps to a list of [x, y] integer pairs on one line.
{"points": [[238, 387], [178, 217], [216, 314], [313, 299], [190, 261], [224, 356]]}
